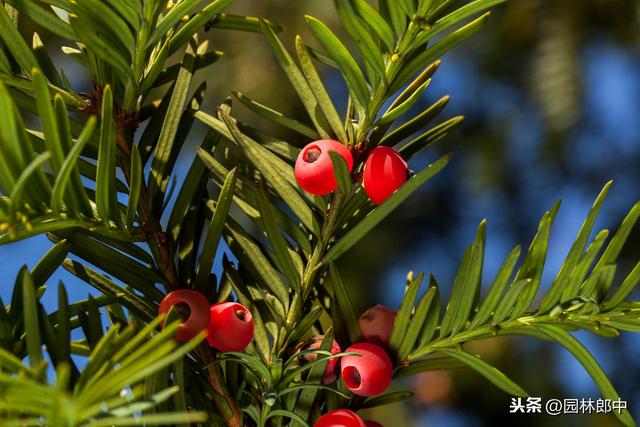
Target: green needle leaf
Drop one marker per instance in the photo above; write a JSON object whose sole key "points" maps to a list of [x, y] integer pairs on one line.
{"points": [[278, 242], [386, 399], [297, 81], [135, 186], [401, 324], [338, 52], [489, 372], [417, 321], [277, 117], [69, 166], [492, 299], [106, 201], [341, 171], [377, 215], [30, 316], [466, 286], [320, 92], [562, 279], [590, 364], [256, 155], [15, 43], [50, 262], [216, 226], [376, 23], [171, 122]]}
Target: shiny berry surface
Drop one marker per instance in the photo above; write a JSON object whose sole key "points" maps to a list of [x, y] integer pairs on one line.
{"points": [[369, 373], [340, 418], [384, 172], [314, 169], [230, 327], [376, 324], [192, 306]]}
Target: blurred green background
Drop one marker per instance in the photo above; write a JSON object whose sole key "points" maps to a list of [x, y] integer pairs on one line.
{"points": [[551, 96]]}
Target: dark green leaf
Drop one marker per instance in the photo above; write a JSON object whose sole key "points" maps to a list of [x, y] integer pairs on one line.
{"points": [[376, 23], [417, 322], [430, 364], [436, 50], [558, 286], [165, 144], [16, 44], [278, 242], [252, 257], [387, 399], [320, 92], [50, 262], [128, 299], [30, 316], [624, 290], [401, 323], [216, 226], [428, 138], [466, 286], [135, 186], [308, 395], [590, 364], [196, 23], [508, 302], [396, 112], [171, 19], [371, 54], [416, 123], [352, 74], [297, 81], [341, 171], [492, 299], [487, 371], [344, 304], [106, 201], [381, 212], [276, 116], [533, 263], [69, 168], [256, 155]]}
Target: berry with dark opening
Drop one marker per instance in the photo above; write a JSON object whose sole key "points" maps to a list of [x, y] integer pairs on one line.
{"points": [[384, 172], [368, 374], [376, 324], [340, 418], [314, 169], [193, 309], [330, 374], [230, 326]]}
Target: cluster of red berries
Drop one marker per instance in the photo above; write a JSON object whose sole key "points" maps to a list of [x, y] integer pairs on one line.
{"points": [[229, 325], [383, 173], [366, 373]]}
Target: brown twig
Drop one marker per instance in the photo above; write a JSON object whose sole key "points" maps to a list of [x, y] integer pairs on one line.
{"points": [[160, 246], [225, 403]]}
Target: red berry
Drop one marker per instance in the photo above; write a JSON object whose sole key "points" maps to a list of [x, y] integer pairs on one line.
{"points": [[194, 309], [384, 172], [368, 374], [376, 324], [314, 169], [230, 327], [340, 418], [370, 423], [330, 374]]}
